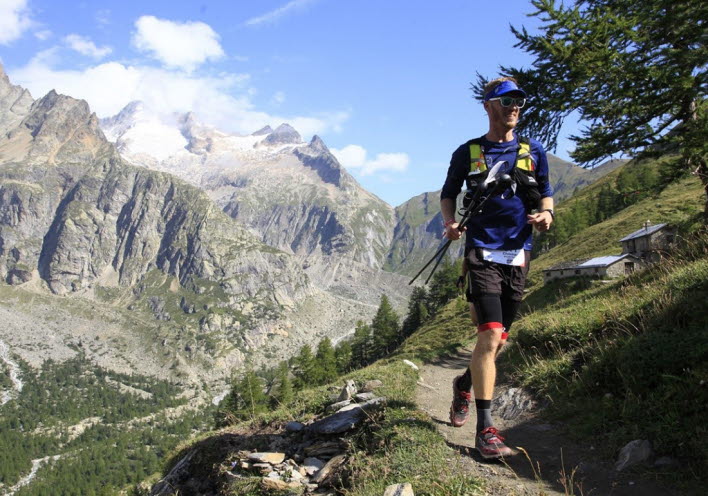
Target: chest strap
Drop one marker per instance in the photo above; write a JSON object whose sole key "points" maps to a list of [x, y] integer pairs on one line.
{"points": [[524, 160]]}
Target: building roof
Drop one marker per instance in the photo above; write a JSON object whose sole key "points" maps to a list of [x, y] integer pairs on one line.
{"points": [[571, 264], [644, 231], [605, 261]]}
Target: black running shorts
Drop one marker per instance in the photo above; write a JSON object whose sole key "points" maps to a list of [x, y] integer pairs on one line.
{"points": [[508, 281]]}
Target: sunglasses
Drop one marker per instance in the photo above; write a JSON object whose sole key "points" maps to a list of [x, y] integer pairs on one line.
{"points": [[508, 101]]}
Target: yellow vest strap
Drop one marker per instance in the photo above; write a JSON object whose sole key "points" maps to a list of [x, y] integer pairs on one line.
{"points": [[477, 163]]}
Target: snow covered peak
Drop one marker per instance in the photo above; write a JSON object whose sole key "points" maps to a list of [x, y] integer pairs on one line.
{"points": [[263, 131], [137, 131], [284, 134]]}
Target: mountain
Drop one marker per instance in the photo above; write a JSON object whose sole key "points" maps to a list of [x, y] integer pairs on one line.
{"points": [[140, 270], [567, 178], [294, 196]]}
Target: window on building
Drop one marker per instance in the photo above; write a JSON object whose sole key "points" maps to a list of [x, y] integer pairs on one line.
{"points": [[628, 267], [630, 246], [597, 270], [577, 271]]}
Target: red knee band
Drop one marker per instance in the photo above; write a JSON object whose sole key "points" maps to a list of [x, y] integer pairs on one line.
{"points": [[505, 335], [490, 326]]}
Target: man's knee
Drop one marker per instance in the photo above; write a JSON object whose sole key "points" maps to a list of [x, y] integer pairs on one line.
{"points": [[489, 337]]}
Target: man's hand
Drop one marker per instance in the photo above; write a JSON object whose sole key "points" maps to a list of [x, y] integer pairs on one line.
{"points": [[541, 221], [452, 231]]}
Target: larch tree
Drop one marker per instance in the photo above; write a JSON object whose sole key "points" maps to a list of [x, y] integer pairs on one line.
{"points": [[633, 70]]}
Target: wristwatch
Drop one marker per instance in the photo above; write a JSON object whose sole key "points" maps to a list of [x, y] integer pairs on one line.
{"points": [[553, 215]]}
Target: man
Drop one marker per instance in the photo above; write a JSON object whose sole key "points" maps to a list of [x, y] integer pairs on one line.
{"points": [[498, 245]]}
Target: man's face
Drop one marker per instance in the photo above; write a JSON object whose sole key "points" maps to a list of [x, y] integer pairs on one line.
{"points": [[507, 117]]}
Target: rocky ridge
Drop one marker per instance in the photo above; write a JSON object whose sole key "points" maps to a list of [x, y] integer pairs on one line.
{"points": [[77, 220], [295, 196]]}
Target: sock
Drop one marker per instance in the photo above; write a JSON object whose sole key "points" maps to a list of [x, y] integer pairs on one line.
{"points": [[464, 383], [484, 414]]}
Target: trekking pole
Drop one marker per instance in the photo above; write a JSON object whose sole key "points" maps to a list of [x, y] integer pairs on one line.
{"points": [[475, 206]]}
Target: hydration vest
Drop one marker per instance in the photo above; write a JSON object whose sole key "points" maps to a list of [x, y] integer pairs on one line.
{"points": [[523, 171]]}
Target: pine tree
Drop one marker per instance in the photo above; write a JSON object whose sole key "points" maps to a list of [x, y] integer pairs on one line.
{"points": [[282, 392], [443, 287], [343, 356], [362, 345], [384, 328], [251, 398], [417, 311], [325, 362], [305, 374], [635, 70]]}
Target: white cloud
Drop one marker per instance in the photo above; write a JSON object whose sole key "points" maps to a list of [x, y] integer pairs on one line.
{"points": [[354, 157], [223, 101], [278, 13], [86, 47], [43, 35], [278, 98], [177, 45], [14, 20]]}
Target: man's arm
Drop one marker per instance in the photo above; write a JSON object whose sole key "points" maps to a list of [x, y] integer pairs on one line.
{"points": [[459, 163], [447, 209], [544, 218]]}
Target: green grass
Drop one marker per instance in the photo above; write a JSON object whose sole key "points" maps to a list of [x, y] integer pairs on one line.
{"points": [[627, 360], [396, 444], [680, 204]]}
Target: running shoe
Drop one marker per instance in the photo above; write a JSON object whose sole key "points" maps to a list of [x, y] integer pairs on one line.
{"points": [[490, 444], [460, 408]]}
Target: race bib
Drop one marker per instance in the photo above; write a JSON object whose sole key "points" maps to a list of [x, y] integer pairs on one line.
{"points": [[506, 257]]}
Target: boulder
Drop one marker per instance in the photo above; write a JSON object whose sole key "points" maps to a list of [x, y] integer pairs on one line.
{"points": [[404, 489], [343, 421], [633, 453]]}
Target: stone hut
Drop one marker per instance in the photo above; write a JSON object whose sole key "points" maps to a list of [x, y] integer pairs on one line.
{"points": [[639, 249], [648, 242]]}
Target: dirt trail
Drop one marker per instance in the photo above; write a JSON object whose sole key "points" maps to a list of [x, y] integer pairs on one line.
{"points": [[543, 442]]}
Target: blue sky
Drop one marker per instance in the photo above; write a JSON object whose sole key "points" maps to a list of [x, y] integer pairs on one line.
{"points": [[385, 83]]}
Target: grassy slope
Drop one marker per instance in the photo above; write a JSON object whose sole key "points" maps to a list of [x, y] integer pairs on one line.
{"points": [[618, 361], [640, 339]]}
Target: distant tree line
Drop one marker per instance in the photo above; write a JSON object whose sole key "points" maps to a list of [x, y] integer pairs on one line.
{"points": [[107, 456], [254, 392], [634, 182]]}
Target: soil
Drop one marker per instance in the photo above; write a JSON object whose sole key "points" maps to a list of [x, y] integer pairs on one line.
{"points": [[545, 462]]}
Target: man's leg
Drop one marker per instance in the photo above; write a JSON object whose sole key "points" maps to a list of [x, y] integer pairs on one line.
{"points": [[490, 337], [461, 386]]}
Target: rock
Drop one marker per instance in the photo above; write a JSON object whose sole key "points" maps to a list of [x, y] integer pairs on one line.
{"points": [[364, 396], [371, 385], [277, 484], [312, 465], [326, 449], [272, 458], [294, 426], [179, 473], [512, 403], [343, 421], [262, 468], [634, 452], [399, 490], [323, 475], [348, 391], [338, 405], [411, 364]]}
